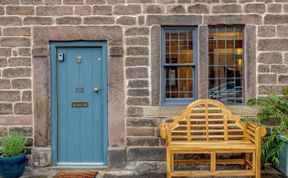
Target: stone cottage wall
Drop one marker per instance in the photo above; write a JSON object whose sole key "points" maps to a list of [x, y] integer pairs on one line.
{"points": [[139, 21]]}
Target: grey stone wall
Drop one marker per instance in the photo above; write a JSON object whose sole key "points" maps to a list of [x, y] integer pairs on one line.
{"points": [[266, 32]]}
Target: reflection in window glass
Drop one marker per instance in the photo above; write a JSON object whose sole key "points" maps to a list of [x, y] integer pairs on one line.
{"points": [[226, 64], [178, 64]]}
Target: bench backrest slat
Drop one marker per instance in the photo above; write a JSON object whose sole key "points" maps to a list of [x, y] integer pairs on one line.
{"points": [[207, 120]]}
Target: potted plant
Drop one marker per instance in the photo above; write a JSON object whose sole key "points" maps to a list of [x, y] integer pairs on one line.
{"points": [[273, 110], [12, 160]]}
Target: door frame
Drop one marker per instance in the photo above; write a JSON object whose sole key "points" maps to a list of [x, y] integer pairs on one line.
{"points": [[54, 97]]}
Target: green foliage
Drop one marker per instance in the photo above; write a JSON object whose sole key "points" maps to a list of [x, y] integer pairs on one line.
{"points": [[273, 108], [13, 144]]}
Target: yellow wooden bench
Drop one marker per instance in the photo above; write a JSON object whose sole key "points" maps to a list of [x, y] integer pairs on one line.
{"points": [[208, 127]]}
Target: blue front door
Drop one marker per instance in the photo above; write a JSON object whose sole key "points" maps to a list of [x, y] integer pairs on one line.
{"points": [[81, 106]]}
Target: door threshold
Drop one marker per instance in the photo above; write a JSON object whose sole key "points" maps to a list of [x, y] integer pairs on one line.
{"points": [[79, 168]]}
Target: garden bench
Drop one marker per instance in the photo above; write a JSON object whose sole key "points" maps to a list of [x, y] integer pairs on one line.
{"points": [[208, 127]]}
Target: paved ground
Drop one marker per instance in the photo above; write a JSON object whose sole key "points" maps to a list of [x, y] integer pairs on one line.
{"points": [[106, 173]]}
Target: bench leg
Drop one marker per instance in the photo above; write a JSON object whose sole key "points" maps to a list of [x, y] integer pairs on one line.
{"points": [[168, 163], [258, 164]]}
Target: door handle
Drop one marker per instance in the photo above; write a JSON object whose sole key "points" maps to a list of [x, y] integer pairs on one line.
{"points": [[96, 90]]}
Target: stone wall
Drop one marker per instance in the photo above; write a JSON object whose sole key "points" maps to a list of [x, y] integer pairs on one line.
{"points": [[138, 23]]}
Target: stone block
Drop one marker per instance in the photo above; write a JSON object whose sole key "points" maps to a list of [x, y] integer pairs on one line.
{"points": [[137, 51], [174, 19], [38, 21], [139, 72], [134, 31], [141, 20], [68, 21], [83, 10], [206, 1], [137, 101], [2, 12], [19, 61], [9, 96], [6, 2], [198, 9], [282, 30], [3, 62], [267, 78], [54, 10], [17, 31], [270, 58], [276, 19], [148, 168], [139, 41], [3, 131], [116, 51], [16, 120], [26, 131], [127, 9], [21, 84], [263, 68], [6, 108], [176, 9], [41, 101], [115, 1], [136, 61], [265, 89], [273, 44], [126, 20], [102, 10], [146, 154], [15, 42], [23, 108], [95, 2], [41, 157], [279, 69], [154, 9], [52, 2], [5, 52], [117, 157], [5, 84], [143, 122], [274, 8], [138, 92], [283, 79], [10, 21], [26, 96], [73, 2], [286, 58], [136, 131], [142, 141], [16, 72], [32, 2], [98, 20], [266, 31], [233, 19], [141, 1], [20, 10], [255, 8], [134, 112], [138, 84], [226, 8]]}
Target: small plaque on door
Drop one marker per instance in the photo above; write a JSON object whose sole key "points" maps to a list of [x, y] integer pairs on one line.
{"points": [[79, 104]]}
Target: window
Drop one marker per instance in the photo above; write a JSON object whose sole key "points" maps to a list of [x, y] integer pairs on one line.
{"points": [[226, 64], [179, 60]]}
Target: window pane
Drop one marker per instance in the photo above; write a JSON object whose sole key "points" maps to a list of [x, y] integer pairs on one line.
{"points": [[226, 64], [179, 47], [179, 82]]}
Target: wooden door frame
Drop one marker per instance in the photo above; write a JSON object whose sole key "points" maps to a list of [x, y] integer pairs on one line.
{"points": [[54, 97]]}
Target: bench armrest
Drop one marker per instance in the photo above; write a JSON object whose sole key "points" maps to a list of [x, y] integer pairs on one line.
{"points": [[164, 130], [256, 131]]}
